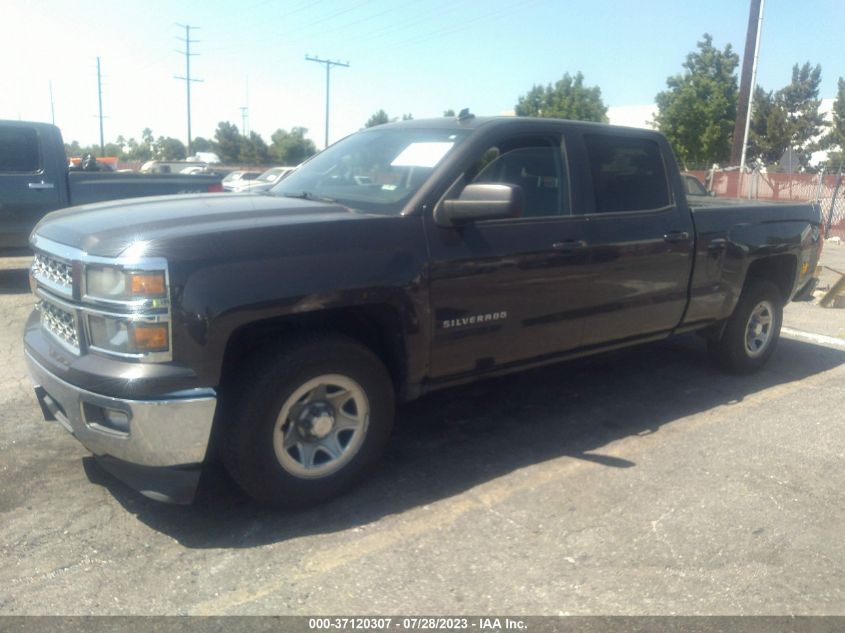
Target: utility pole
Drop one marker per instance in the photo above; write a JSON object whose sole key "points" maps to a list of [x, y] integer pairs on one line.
{"points": [[753, 84], [100, 100], [244, 119], [245, 111], [329, 65], [745, 85], [187, 78]]}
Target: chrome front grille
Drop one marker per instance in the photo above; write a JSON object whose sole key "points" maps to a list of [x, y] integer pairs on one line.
{"points": [[53, 273], [60, 323], [67, 310]]}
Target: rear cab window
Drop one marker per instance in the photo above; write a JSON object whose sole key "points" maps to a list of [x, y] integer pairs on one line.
{"points": [[19, 152]]}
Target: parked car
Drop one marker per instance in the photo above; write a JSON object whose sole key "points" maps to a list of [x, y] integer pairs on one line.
{"points": [[266, 180], [204, 157], [196, 169], [695, 187], [167, 166], [235, 179], [405, 258], [35, 179]]}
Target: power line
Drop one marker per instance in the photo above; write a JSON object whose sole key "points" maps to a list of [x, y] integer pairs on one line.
{"points": [[329, 65], [464, 24], [187, 78], [300, 32]]}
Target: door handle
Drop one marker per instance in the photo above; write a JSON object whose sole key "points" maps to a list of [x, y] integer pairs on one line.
{"points": [[41, 185], [676, 236], [569, 245]]}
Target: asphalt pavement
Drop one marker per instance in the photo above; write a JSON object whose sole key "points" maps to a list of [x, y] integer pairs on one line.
{"points": [[638, 482]]}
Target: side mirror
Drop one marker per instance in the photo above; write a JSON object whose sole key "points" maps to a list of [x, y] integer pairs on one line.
{"points": [[482, 202]]}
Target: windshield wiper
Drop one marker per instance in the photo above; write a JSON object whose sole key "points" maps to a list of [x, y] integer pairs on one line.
{"points": [[307, 195]]}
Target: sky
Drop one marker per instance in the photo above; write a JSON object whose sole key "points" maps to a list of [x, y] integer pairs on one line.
{"points": [[405, 56]]}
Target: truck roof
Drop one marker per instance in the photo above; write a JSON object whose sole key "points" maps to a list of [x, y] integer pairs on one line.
{"points": [[16, 123], [473, 122]]}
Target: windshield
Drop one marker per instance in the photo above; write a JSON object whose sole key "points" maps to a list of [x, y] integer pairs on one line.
{"points": [[375, 171]]}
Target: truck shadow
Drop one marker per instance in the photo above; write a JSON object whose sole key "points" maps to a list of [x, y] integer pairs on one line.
{"points": [[14, 281], [452, 441]]}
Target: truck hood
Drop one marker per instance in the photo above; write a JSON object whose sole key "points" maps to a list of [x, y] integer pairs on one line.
{"points": [[108, 229]]}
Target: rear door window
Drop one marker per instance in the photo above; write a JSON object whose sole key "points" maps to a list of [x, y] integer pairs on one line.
{"points": [[628, 173], [19, 150]]}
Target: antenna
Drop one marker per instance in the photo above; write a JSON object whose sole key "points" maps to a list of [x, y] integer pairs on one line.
{"points": [[52, 109], [100, 100]]}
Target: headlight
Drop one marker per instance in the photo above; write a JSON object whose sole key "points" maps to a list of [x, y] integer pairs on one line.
{"points": [[114, 284], [128, 311], [128, 336]]}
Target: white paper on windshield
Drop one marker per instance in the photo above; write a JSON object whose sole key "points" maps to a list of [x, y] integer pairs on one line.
{"points": [[422, 154]]}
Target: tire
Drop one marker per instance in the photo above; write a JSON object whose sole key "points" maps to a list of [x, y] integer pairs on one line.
{"points": [[311, 418], [752, 331]]}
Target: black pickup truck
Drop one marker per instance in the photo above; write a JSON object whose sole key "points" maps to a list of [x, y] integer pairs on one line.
{"points": [[403, 259], [34, 180]]}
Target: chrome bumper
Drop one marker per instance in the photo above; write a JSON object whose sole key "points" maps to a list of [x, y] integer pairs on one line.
{"points": [[172, 431]]}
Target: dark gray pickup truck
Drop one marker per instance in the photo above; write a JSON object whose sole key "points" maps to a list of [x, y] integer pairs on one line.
{"points": [[279, 330], [34, 180]]}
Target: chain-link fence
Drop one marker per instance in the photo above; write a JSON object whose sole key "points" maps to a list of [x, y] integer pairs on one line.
{"points": [[827, 189]]}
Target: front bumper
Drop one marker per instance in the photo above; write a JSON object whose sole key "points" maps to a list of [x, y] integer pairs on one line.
{"points": [[169, 433]]}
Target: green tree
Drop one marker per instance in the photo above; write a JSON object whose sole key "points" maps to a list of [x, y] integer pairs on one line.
{"points": [[378, 118], [569, 98], [73, 149], [768, 133], [121, 143], [449, 113], [254, 150], [801, 101], [136, 151], [834, 140], [788, 118], [698, 111], [228, 142], [109, 149], [291, 148], [201, 144], [140, 152], [169, 148], [836, 135]]}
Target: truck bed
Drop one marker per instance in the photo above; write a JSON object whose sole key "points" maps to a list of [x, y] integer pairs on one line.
{"points": [[89, 187]]}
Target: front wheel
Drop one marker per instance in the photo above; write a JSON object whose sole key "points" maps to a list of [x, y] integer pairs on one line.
{"points": [[752, 331], [312, 418]]}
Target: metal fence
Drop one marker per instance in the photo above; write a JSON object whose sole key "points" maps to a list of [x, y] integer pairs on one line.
{"points": [[827, 189]]}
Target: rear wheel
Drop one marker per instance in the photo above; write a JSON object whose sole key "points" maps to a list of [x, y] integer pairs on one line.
{"points": [[312, 418], [752, 331]]}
